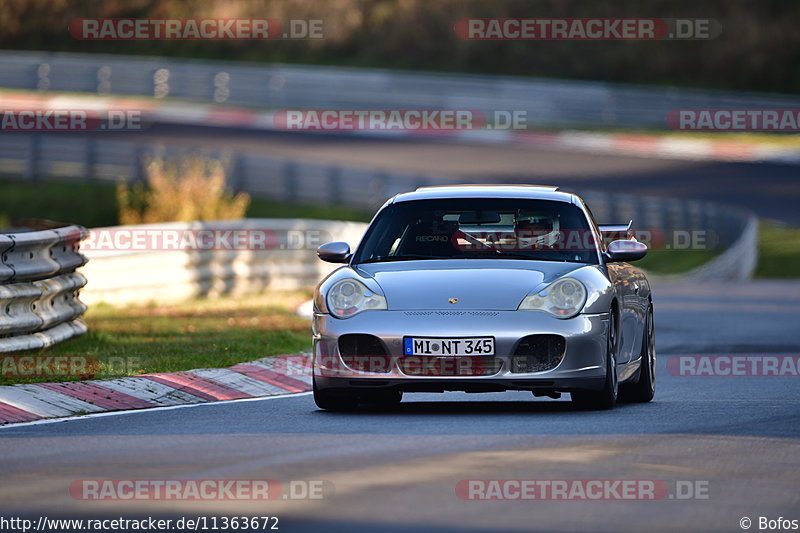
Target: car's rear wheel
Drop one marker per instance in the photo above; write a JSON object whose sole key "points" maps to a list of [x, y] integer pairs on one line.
{"points": [[644, 388], [334, 400], [606, 397]]}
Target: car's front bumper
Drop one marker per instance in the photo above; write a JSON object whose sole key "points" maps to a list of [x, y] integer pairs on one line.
{"points": [[582, 367]]}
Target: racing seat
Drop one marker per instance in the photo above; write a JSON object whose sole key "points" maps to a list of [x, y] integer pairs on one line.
{"points": [[429, 238]]}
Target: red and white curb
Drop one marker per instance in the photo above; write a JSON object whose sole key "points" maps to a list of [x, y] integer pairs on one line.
{"points": [[270, 376], [642, 145]]}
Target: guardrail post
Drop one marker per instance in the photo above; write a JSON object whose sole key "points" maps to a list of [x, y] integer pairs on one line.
{"points": [[600, 204], [335, 184], [377, 189], [32, 164], [138, 165], [611, 209], [235, 174], [653, 221], [91, 155], [290, 181]]}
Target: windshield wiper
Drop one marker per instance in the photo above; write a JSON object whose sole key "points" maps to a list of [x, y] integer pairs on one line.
{"points": [[510, 255], [489, 248]]}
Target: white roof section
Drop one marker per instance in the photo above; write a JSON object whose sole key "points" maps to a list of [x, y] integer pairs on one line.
{"points": [[520, 191]]}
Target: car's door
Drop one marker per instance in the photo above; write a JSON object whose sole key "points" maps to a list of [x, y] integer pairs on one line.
{"points": [[628, 285]]}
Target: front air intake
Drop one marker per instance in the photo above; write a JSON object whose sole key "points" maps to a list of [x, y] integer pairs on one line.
{"points": [[537, 353], [364, 353]]}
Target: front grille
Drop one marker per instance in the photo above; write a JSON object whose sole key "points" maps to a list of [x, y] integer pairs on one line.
{"points": [[452, 313], [449, 366], [537, 353], [364, 353]]}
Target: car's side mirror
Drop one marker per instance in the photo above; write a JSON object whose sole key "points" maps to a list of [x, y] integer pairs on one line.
{"points": [[334, 252], [624, 251]]}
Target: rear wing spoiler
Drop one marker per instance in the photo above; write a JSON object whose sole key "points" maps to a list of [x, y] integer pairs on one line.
{"points": [[613, 232]]}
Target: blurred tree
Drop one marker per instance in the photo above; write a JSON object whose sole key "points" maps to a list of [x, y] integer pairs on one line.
{"points": [[185, 189], [759, 48]]}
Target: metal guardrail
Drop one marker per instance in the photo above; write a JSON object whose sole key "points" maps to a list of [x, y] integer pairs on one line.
{"points": [[39, 287], [548, 102]]}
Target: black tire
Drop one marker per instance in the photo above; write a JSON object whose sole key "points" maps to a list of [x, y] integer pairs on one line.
{"points": [[605, 398], [644, 388], [337, 400]]}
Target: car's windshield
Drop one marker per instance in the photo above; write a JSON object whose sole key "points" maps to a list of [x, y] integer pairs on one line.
{"points": [[479, 228]]}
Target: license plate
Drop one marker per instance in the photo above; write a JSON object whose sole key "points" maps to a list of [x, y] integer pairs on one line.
{"points": [[448, 346]]}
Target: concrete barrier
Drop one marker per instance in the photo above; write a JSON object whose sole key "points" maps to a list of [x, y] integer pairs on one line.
{"points": [[283, 258]]}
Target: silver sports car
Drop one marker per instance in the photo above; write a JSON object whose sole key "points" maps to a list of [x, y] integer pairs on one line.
{"points": [[484, 288]]}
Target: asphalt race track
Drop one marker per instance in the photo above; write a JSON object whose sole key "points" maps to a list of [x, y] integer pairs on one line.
{"points": [[737, 437]]}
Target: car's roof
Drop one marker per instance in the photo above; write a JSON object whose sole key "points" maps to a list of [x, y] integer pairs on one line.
{"points": [[534, 192]]}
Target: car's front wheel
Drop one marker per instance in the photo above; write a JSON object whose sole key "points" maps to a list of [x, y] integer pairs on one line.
{"points": [[644, 388], [605, 398]]}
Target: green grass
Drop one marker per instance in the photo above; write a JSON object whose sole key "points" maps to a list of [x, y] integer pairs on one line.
{"points": [[95, 205], [674, 261], [778, 251], [778, 254], [198, 334], [87, 204]]}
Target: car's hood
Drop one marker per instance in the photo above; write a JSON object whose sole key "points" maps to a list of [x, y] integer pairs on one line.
{"points": [[476, 284]]}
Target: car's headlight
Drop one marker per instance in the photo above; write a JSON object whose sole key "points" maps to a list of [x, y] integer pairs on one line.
{"points": [[349, 297], [563, 298]]}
